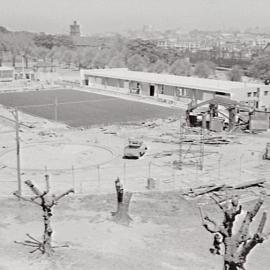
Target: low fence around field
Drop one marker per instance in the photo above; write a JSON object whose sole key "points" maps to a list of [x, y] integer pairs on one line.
{"points": [[100, 179], [95, 180]]}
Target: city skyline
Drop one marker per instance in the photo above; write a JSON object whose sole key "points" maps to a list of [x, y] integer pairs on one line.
{"points": [[98, 16]]}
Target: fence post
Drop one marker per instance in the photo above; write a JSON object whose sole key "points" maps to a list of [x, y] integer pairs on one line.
{"points": [[99, 180], [73, 177], [124, 173], [56, 109], [149, 169], [173, 177]]}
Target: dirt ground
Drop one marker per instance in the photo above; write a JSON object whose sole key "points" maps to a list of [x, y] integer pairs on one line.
{"points": [[166, 231]]}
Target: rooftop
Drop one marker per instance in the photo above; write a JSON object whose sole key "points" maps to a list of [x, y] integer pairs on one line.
{"points": [[172, 80]]}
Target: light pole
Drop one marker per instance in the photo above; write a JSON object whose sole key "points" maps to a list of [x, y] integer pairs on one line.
{"points": [[23, 70], [18, 154]]}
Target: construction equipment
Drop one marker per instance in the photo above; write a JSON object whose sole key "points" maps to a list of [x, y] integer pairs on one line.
{"points": [[210, 117], [266, 155]]}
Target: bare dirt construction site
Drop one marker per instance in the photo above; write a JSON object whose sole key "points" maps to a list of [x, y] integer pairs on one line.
{"points": [[84, 151]]}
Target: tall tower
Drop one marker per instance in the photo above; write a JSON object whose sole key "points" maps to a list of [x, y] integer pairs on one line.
{"points": [[75, 29]]}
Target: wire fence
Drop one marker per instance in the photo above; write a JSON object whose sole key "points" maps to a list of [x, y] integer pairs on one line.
{"points": [[100, 179]]}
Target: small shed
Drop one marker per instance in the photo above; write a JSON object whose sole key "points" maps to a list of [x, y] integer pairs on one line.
{"points": [[259, 121]]}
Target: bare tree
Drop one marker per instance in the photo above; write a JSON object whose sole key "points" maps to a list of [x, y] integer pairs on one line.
{"points": [[236, 245], [121, 215], [46, 202]]}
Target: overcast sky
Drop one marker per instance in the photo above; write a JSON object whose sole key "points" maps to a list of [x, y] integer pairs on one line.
{"points": [[54, 16]]}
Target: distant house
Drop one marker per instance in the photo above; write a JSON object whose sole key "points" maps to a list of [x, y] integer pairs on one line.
{"points": [[6, 74]]}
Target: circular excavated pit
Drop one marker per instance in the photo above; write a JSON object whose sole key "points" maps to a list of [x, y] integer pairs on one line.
{"points": [[57, 156]]}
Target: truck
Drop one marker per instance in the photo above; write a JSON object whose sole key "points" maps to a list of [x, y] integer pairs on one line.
{"points": [[135, 148]]}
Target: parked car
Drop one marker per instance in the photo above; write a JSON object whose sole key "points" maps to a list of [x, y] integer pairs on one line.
{"points": [[135, 148]]}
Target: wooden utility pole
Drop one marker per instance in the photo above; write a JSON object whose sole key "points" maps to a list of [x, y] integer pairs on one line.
{"points": [[180, 161], [17, 126], [201, 148]]}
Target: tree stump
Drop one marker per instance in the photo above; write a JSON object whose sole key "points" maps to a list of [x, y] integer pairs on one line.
{"points": [[121, 215]]}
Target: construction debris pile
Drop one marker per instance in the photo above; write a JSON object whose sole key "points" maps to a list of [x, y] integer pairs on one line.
{"points": [[194, 136], [247, 191]]}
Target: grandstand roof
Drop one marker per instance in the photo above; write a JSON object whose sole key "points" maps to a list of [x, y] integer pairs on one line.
{"points": [[173, 80]]}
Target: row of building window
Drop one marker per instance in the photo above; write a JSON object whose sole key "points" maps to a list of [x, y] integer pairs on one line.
{"points": [[255, 94]]}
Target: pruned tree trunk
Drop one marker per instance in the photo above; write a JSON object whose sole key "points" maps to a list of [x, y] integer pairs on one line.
{"points": [[47, 235], [237, 246], [47, 203], [121, 215]]}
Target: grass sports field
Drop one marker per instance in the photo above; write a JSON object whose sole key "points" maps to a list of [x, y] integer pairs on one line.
{"points": [[78, 108]]}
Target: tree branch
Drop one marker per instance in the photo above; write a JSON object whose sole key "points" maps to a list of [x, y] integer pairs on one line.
{"points": [[262, 223], [243, 232], [57, 198], [35, 190], [47, 183], [25, 199], [218, 203]]}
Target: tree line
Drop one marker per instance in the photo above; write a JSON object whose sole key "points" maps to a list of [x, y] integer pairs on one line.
{"points": [[115, 52]]}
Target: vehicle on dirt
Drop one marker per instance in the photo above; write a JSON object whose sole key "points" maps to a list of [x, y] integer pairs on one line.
{"points": [[135, 148]]}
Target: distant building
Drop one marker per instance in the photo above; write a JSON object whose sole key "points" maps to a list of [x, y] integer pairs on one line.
{"points": [[6, 74], [80, 41], [75, 30]]}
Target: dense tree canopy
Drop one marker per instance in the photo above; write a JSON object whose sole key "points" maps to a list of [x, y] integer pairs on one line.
{"points": [[260, 67], [181, 67], [113, 51], [235, 74], [204, 69], [159, 67], [137, 63], [49, 41]]}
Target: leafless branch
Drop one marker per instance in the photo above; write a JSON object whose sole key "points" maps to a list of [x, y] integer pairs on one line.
{"points": [[25, 199], [262, 223], [218, 203], [31, 237], [243, 232], [47, 183], [57, 198], [26, 244], [35, 190]]}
